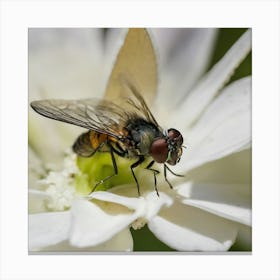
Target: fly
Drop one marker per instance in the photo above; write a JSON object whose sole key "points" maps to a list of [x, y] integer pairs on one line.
{"points": [[129, 131]]}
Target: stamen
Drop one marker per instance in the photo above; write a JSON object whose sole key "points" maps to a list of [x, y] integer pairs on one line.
{"points": [[60, 185], [139, 223]]}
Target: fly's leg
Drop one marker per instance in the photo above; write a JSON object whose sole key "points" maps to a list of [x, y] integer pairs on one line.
{"points": [[165, 176], [114, 165], [155, 172], [119, 151], [135, 164], [175, 174]]}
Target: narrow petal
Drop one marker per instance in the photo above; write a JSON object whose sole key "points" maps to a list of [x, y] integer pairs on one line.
{"points": [[183, 49], [120, 242], [149, 205], [223, 129], [131, 203], [95, 223], [229, 201], [47, 229], [213, 81], [186, 228], [184, 55], [233, 169]]}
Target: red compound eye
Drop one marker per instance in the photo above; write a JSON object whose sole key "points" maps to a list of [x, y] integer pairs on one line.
{"points": [[176, 136], [159, 150]]}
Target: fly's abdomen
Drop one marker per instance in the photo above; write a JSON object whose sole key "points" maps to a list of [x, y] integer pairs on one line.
{"points": [[82, 145], [88, 143]]}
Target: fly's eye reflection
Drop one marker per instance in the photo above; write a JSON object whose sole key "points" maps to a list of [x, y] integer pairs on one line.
{"points": [[127, 130]]}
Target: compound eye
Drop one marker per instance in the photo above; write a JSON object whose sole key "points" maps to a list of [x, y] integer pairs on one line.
{"points": [[159, 150], [176, 136]]}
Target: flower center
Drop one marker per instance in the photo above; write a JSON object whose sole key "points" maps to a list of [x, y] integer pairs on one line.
{"points": [[60, 197], [97, 173], [61, 185]]}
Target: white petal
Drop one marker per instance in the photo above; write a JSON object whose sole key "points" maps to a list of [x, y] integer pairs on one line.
{"points": [[223, 129], [95, 223], [66, 65], [155, 203], [229, 201], [120, 242], [184, 54], [186, 228], [47, 229], [183, 49], [216, 78], [147, 206], [233, 169], [131, 203], [42, 38], [50, 150]]}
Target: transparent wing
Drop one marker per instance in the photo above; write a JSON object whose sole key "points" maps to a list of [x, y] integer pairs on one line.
{"points": [[103, 117], [136, 102], [99, 115]]}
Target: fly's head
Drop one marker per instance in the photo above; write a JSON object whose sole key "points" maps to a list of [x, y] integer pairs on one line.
{"points": [[168, 148]]}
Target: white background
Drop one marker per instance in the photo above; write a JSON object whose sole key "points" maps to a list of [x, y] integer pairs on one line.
{"points": [[262, 16]]}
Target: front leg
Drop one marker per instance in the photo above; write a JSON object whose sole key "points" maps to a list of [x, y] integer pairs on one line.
{"points": [[155, 172], [165, 175]]}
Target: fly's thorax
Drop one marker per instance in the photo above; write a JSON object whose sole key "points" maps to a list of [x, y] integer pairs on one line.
{"points": [[141, 135], [147, 137]]}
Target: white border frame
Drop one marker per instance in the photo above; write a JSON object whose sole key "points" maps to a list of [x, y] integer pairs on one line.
{"points": [[262, 16]]}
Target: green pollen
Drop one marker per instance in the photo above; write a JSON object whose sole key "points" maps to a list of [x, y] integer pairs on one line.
{"points": [[96, 168]]}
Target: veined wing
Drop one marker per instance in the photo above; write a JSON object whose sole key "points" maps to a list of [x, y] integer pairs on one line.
{"points": [[136, 103], [99, 115]]}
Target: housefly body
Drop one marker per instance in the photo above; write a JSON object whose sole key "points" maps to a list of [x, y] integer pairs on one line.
{"points": [[127, 129]]}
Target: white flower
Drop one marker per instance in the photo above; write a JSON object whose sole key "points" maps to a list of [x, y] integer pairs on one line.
{"points": [[206, 209]]}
